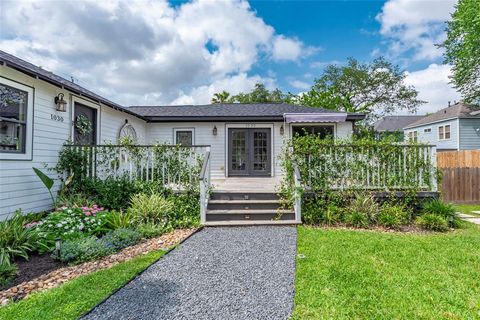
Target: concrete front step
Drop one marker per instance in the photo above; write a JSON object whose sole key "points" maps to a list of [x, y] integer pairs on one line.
{"points": [[250, 223], [243, 204], [227, 195], [249, 215]]}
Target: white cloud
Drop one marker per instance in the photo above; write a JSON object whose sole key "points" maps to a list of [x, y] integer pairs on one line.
{"points": [[433, 86], [415, 26], [302, 85], [145, 51]]}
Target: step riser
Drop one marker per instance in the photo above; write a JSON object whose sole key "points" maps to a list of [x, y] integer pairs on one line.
{"points": [[243, 206], [251, 217], [243, 196]]}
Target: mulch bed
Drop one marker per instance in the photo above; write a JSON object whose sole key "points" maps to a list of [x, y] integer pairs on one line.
{"points": [[34, 267], [52, 274]]}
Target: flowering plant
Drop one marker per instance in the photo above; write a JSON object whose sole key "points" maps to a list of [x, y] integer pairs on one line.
{"points": [[66, 222]]}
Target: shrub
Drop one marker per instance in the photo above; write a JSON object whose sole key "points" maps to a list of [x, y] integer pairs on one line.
{"points": [[121, 238], [74, 200], [114, 193], [8, 271], [16, 239], [185, 211], [150, 208], [437, 207], [362, 210], [116, 220], [150, 230], [432, 222], [83, 249], [393, 216], [357, 219]]}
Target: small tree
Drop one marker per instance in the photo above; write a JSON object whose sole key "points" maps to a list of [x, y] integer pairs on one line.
{"points": [[375, 88], [260, 94], [462, 49], [221, 97]]}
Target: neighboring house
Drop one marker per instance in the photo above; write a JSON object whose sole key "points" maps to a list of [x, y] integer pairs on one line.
{"points": [[456, 127], [393, 126], [245, 139]]}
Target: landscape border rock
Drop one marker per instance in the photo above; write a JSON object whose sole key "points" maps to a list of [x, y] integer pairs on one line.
{"points": [[58, 277]]}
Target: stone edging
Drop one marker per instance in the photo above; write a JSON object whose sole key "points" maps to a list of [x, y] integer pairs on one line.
{"points": [[57, 277]]}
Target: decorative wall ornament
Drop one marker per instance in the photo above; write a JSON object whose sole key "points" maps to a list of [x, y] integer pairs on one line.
{"points": [[83, 125], [127, 133]]}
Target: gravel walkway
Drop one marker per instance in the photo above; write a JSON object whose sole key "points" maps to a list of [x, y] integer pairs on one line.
{"points": [[218, 273]]}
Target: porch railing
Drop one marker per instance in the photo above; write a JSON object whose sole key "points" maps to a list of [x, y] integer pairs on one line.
{"points": [[205, 186], [392, 167], [174, 166]]}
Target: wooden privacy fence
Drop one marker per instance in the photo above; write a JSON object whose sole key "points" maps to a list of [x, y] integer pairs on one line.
{"points": [[460, 175]]}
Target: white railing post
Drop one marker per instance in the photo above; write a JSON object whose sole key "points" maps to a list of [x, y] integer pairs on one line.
{"points": [[204, 186], [433, 176]]}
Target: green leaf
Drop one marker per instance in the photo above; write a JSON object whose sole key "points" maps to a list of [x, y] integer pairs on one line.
{"points": [[47, 181]]}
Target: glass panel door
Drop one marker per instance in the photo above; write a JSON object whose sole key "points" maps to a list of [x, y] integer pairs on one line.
{"points": [[238, 153], [260, 152]]}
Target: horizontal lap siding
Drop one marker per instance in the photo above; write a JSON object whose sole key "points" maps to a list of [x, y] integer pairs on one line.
{"points": [[469, 136], [19, 186]]}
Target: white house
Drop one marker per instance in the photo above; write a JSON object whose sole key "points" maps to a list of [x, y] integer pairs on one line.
{"points": [[456, 127], [39, 111]]}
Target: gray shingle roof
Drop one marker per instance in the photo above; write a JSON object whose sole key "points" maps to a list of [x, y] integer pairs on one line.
{"points": [[395, 123], [237, 111], [458, 110], [33, 70]]}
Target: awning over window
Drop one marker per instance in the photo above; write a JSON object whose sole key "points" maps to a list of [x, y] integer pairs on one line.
{"points": [[314, 117]]}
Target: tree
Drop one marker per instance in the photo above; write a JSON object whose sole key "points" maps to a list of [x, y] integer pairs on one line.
{"points": [[462, 49], [375, 88], [260, 94], [221, 97]]}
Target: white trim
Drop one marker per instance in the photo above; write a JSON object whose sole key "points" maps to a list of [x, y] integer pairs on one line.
{"points": [[27, 155], [429, 123], [88, 103], [458, 134], [251, 125], [438, 132], [311, 124], [191, 129]]}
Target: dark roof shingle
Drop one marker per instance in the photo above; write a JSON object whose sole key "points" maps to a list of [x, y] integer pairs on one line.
{"points": [[458, 110], [395, 123], [271, 111]]}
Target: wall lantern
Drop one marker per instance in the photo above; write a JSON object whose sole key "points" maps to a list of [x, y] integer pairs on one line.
{"points": [[215, 130], [477, 130], [61, 103], [282, 130]]}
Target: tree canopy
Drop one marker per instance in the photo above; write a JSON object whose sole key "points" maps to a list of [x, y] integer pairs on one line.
{"points": [[462, 49], [376, 89], [259, 94]]}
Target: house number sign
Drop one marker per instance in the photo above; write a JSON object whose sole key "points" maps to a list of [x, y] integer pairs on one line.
{"points": [[55, 117]]}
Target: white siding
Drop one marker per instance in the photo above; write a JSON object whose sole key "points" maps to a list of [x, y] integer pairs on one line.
{"points": [[19, 186], [432, 136]]}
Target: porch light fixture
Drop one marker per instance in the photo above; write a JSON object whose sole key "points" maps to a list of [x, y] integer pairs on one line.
{"points": [[61, 103], [477, 130], [215, 130], [282, 130]]}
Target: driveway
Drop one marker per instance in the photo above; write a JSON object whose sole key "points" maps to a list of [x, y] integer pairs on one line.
{"points": [[218, 273]]}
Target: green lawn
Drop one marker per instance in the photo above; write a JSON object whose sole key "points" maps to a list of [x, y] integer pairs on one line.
{"points": [[76, 297], [348, 274], [468, 208]]}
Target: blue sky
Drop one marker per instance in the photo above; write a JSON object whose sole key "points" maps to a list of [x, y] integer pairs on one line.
{"points": [[181, 52]]}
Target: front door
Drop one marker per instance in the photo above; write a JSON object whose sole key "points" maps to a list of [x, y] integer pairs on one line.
{"points": [[85, 125], [249, 152]]}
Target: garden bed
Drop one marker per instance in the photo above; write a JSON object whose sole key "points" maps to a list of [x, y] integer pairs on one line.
{"points": [[52, 279]]}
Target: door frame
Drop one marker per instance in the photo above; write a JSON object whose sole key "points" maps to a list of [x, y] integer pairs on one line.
{"points": [[87, 103], [251, 125]]}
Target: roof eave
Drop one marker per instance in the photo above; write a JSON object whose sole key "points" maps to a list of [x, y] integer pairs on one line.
{"points": [[67, 87]]}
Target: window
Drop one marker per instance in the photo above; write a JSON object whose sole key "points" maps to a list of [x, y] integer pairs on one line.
{"points": [[413, 136], [444, 132], [323, 130], [427, 130], [183, 137], [15, 120]]}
